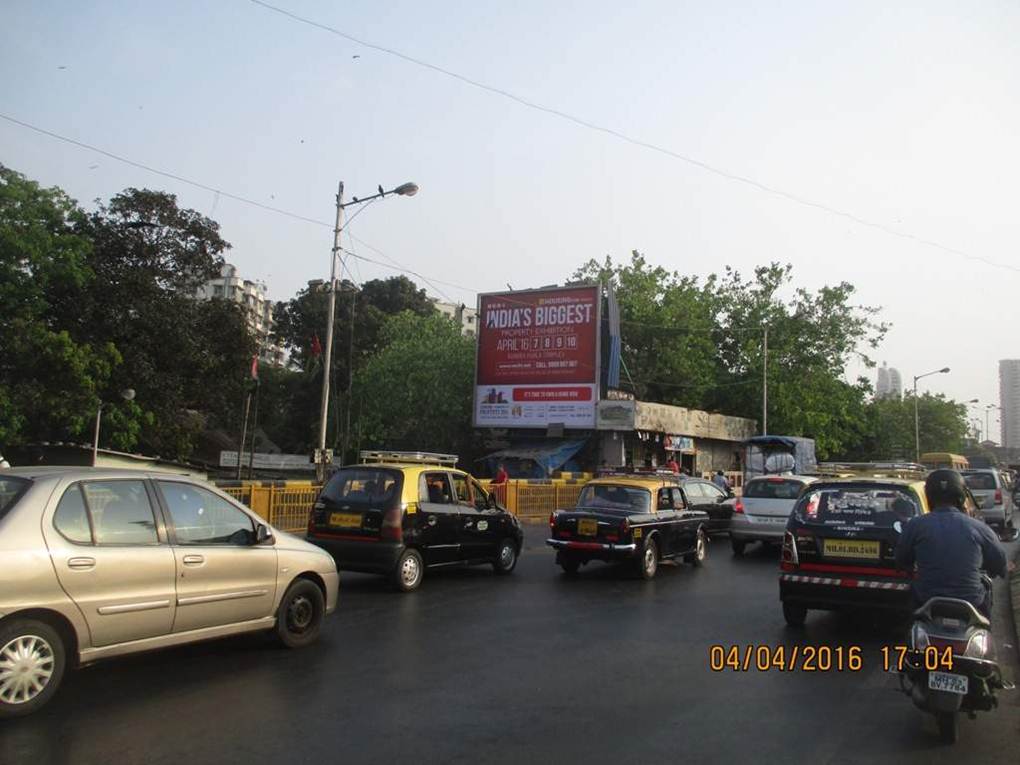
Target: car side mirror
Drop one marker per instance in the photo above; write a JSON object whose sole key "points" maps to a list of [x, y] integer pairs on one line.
{"points": [[262, 535]]}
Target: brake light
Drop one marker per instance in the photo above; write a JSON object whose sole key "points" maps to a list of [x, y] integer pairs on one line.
{"points": [[738, 506], [998, 496], [552, 519], [790, 558], [625, 527], [392, 525]]}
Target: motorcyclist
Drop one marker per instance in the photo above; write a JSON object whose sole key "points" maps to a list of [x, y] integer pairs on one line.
{"points": [[949, 547]]}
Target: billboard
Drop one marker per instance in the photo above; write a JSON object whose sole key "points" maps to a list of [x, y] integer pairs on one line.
{"points": [[538, 358]]}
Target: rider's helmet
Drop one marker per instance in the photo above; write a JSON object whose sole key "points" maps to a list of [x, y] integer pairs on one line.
{"points": [[945, 487]]}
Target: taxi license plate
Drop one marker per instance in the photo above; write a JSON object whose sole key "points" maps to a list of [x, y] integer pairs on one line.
{"points": [[347, 520], [851, 548], [587, 527], [944, 681]]}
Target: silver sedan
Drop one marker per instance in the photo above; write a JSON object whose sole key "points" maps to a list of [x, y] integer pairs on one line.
{"points": [[761, 512], [100, 563]]}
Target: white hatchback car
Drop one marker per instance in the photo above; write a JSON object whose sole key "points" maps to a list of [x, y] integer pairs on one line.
{"points": [[761, 511], [99, 563]]}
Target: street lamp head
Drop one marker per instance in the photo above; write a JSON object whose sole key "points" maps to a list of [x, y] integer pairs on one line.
{"points": [[944, 370], [128, 394], [406, 189], [974, 401]]}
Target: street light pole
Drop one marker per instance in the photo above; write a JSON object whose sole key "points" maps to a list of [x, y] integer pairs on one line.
{"points": [[917, 420], [765, 384], [989, 408], [128, 394], [404, 190]]}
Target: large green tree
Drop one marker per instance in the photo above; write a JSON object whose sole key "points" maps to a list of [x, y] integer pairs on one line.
{"points": [[416, 392], [889, 433]]}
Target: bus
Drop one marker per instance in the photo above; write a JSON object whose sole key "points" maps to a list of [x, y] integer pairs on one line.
{"points": [[936, 460]]}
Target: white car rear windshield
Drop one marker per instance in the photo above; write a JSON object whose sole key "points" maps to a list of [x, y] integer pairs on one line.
{"points": [[773, 488], [980, 481]]}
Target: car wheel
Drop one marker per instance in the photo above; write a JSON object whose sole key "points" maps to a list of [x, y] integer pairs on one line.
{"points": [[738, 546], [949, 726], [697, 558], [794, 614], [32, 663], [409, 571], [649, 561], [299, 616], [506, 557], [570, 565]]}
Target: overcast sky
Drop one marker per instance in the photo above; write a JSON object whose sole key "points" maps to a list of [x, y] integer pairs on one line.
{"points": [[902, 114]]}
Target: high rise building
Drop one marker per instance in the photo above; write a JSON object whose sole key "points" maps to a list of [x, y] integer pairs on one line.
{"points": [[889, 384], [1009, 400], [254, 297]]}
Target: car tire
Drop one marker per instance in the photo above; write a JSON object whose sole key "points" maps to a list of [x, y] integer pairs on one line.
{"points": [[648, 563], [299, 617], [570, 565], [738, 546], [697, 558], [409, 571], [38, 658], [949, 726], [506, 557], [794, 614]]}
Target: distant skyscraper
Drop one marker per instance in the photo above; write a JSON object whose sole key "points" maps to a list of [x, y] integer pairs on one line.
{"points": [[1009, 400], [890, 383]]}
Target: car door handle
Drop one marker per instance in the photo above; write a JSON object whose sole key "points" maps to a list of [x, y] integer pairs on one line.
{"points": [[81, 564], [193, 560]]}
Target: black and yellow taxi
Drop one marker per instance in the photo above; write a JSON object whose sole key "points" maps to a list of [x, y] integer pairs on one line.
{"points": [[643, 518], [839, 547], [400, 513]]}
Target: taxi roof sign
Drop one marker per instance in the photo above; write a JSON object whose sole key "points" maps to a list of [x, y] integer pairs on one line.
{"points": [[420, 458]]}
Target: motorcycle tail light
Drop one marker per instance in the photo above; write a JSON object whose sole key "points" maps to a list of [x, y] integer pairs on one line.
{"points": [[977, 646], [918, 637]]}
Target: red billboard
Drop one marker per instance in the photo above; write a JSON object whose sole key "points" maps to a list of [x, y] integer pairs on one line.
{"points": [[538, 354]]}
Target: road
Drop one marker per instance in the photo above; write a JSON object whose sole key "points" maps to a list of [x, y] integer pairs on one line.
{"points": [[533, 667]]}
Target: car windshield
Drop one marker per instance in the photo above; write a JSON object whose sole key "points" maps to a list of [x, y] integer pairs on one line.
{"points": [[10, 489], [980, 481], [773, 488], [368, 487], [859, 505], [629, 497]]}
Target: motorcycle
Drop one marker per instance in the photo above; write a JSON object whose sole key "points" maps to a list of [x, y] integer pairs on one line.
{"points": [[951, 666]]}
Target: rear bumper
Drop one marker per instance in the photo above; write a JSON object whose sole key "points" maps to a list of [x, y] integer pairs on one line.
{"points": [[831, 592], [592, 550], [748, 529], [360, 555], [994, 516]]}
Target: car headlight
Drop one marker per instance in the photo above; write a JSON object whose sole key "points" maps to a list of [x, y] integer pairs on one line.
{"points": [[918, 637], [978, 645]]}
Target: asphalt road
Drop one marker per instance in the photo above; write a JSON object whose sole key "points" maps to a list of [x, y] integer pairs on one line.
{"points": [[533, 667]]}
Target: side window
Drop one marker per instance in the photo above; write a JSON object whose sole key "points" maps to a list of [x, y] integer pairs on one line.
{"points": [[202, 518], [121, 513], [72, 519], [437, 489], [694, 492], [480, 496], [664, 499], [714, 493], [678, 499], [460, 488]]}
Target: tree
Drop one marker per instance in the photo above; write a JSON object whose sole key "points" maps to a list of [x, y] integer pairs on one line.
{"points": [[890, 427], [49, 381], [417, 391]]}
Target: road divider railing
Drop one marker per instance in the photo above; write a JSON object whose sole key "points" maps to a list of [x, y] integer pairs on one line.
{"points": [[536, 498], [283, 504]]}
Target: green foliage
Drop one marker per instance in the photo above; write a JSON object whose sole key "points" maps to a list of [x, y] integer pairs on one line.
{"points": [[416, 392], [890, 427]]}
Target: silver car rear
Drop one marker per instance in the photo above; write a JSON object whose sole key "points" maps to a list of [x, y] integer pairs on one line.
{"points": [[995, 501], [761, 512]]}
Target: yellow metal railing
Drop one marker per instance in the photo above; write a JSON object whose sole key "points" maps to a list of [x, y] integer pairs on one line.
{"points": [[284, 504]]}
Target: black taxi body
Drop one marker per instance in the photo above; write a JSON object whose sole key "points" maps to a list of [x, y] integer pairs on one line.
{"points": [[400, 513], [839, 549], [639, 518]]}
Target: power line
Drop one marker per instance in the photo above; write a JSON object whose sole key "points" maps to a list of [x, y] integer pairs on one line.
{"points": [[730, 176]]}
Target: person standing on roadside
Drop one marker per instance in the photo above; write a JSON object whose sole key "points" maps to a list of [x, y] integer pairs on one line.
{"points": [[501, 475], [672, 464]]}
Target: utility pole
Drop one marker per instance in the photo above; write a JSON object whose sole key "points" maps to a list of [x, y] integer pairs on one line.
{"points": [[320, 470], [765, 385]]}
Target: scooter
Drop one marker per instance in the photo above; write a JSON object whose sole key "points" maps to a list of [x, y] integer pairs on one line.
{"points": [[951, 666]]}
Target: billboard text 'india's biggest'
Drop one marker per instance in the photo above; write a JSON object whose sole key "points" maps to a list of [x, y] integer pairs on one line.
{"points": [[538, 358]]}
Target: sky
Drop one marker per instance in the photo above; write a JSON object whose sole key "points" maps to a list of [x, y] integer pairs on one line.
{"points": [[900, 114]]}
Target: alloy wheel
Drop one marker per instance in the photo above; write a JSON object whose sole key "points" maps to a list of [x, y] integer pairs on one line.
{"points": [[26, 666]]}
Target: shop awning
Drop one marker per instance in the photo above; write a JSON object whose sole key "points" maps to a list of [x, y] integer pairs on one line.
{"points": [[548, 456]]}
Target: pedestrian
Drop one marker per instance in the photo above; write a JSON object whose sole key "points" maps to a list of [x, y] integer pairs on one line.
{"points": [[720, 480], [672, 464], [501, 475]]}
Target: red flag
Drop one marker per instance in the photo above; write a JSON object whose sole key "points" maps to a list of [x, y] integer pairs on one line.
{"points": [[316, 346], [255, 367]]}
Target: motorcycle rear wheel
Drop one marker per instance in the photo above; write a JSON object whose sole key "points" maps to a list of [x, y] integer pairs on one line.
{"points": [[949, 726]]}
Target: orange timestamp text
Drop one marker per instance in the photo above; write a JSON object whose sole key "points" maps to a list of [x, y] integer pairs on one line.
{"points": [[821, 658]]}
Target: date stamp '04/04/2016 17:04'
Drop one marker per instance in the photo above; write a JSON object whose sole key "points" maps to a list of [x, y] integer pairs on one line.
{"points": [[823, 658]]}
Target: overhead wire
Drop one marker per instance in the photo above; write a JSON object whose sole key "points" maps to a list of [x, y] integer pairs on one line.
{"points": [[705, 166]]}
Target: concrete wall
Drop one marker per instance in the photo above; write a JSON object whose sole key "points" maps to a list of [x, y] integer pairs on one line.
{"points": [[663, 418]]}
